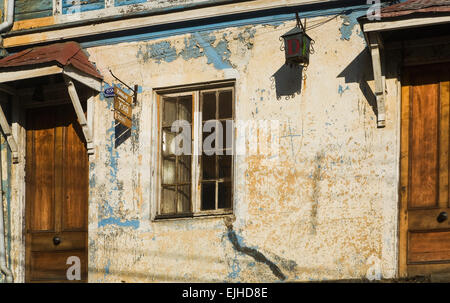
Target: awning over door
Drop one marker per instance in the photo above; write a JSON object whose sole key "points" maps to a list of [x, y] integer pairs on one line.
{"points": [[411, 14], [68, 59]]}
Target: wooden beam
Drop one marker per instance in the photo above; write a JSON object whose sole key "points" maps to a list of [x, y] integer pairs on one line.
{"points": [[81, 77], [90, 122], [79, 112], [375, 49], [9, 136], [29, 73], [5, 125], [378, 26]]}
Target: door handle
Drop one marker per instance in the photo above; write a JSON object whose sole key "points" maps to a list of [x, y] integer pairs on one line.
{"points": [[442, 217], [56, 240]]}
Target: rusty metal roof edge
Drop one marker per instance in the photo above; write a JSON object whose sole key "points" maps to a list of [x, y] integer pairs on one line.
{"points": [[75, 56], [402, 9]]}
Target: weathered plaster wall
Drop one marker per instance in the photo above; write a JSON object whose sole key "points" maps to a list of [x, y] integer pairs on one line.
{"points": [[13, 176], [324, 208], [6, 187]]}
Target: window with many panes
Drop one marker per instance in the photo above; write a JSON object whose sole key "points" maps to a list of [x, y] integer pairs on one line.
{"points": [[196, 152]]}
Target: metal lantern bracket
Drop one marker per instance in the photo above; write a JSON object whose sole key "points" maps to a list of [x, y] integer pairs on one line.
{"points": [[134, 90], [297, 44], [303, 27], [299, 22]]}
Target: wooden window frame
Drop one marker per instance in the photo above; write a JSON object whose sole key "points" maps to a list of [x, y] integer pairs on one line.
{"points": [[197, 141]]}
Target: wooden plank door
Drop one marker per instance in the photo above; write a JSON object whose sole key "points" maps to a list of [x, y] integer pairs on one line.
{"points": [[424, 223], [56, 195]]}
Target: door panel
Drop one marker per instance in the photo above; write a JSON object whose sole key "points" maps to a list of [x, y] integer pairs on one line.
{"points": [[41, 183], [56, 194], [51, 266], [429, 246], [69, 241], [75, 186], [424, 138], [424, 237]]}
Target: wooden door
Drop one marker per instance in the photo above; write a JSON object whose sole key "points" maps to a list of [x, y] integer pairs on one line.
{"points": [[424, 223], [56, 195]]}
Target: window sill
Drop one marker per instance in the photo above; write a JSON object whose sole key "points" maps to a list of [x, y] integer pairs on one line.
{"points": [[200, 215]]}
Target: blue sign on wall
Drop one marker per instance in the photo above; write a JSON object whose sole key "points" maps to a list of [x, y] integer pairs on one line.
{"points": [[109, 92]]}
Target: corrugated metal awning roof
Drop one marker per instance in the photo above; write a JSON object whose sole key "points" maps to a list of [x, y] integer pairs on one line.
{"points": [[63, 54], [416, 6]]}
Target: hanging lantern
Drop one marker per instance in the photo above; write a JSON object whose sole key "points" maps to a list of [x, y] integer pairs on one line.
{"points": [[297, 45]]}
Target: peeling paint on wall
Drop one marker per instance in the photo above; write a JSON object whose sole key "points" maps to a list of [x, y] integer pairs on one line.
{"points": [[197, 45], [316, 210], [349, 22], [161, 51], [341, 89]]}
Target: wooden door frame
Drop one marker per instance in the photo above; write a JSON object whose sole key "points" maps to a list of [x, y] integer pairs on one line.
{"points": [[18, 182], [403, 189], [21, 112], [404, 177]]}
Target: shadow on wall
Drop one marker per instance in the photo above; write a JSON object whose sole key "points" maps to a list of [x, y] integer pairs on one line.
{"points": [[122, 133], [287, 81], [360, 71]]}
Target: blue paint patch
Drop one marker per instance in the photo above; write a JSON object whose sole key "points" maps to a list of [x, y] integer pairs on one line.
{"points": [[219, 55], [246, 36], [106, 213], [191, 49], [341, 89], [127, 2], [106, 217], [350, 20], [73, 7], [107, 269], [116, 221], [161, 51], [241, 242], [235, 270], [200, 44], [26, 9], [113, 156]]}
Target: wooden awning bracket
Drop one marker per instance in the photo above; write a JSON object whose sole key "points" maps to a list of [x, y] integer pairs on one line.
{"points": [[376, 46], [80, 114], [7, 129]]}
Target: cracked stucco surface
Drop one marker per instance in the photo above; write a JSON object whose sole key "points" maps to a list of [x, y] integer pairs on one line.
{"points": [[317, 211]]}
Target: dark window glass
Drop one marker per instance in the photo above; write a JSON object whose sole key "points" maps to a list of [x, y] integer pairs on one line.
{"points": [[208, 195], [209, 106]]}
